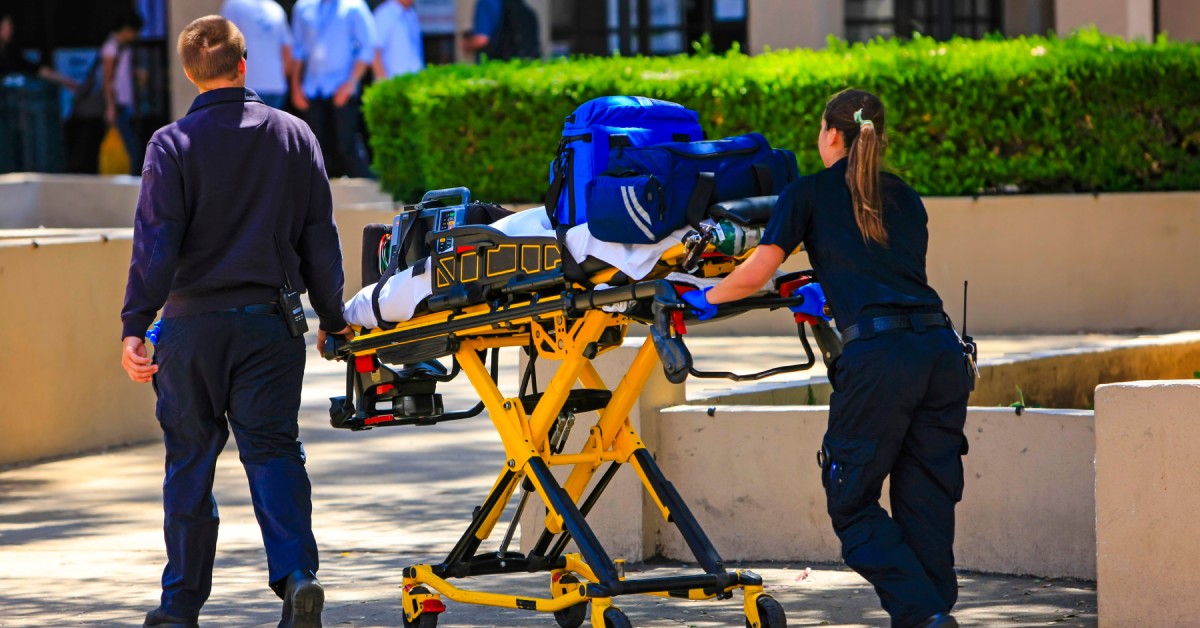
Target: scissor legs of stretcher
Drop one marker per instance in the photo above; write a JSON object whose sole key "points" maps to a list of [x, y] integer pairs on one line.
{"points": [[533, 429]]}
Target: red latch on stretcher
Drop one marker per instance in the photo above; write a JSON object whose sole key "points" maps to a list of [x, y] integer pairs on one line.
{"points": [[677, 321], [786, 290], [677, 315], [432, 605], [364, 363]]}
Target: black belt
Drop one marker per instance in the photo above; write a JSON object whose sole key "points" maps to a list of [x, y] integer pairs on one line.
{"points": [[872, 326], [257, 308]]}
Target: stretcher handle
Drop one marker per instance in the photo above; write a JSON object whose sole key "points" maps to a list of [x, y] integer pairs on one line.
{"points": [[677, 359], [437, 195], [598, 298], [779, 370], [333, 346]]}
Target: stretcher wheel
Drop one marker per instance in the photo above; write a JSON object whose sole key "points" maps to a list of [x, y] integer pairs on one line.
{"points": [[427, 619], [615, 618], [770, 613], [572, 616]]}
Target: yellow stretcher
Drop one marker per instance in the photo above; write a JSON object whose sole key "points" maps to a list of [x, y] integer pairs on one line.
{"points": [[557, 319]]}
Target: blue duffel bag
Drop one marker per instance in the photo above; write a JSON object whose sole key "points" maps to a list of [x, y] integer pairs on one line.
{"points": [[595, 129], [650, 191]]}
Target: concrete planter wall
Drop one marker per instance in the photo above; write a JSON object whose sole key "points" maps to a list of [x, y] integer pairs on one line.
{"points": [[1147, 500], [64, 286], [1052, 264], [751, 477], [60, 376]]}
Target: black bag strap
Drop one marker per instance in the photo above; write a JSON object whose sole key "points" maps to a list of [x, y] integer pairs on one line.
{"points": [[571, 268], [702, 199], [766, 180], [557, 184], [399, 251]]}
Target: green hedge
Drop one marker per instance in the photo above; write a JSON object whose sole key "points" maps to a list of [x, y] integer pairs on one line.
{"points": [[1079, 114]]}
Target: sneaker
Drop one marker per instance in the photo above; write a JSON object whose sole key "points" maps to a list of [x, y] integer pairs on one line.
{"points": [[303, 601], [158, 618]]}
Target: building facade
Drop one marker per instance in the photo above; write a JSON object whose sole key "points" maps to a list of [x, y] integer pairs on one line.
{"points": [[670, 26]]}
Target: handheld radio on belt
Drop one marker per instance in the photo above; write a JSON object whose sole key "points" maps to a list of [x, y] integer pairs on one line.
{"points": [[289, 300], [970, 350]]}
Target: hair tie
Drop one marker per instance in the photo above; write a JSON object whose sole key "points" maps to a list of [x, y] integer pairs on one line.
{"points": [[859, 119]]}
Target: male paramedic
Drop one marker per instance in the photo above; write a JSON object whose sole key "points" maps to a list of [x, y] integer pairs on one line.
{"points": [[234, 213]]}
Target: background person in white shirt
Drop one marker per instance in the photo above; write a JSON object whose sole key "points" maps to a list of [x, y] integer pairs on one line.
{"points": [[268, 46], [400, 50], [334, 46]]}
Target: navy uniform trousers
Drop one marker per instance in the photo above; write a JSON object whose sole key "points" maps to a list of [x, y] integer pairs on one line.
{"points": [[216, 371], [898, 410]]}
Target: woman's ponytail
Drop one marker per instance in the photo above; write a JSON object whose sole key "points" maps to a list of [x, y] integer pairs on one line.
{"points": [[859, 116], [862, 176]]}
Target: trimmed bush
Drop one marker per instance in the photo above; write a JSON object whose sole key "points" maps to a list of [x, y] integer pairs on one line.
{"points": [[1084, 113]]}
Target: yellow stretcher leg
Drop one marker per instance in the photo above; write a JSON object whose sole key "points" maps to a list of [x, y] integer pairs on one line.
{"points": [[589, 575]]}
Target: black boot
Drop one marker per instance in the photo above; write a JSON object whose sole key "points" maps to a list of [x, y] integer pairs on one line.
{"points": [[303, 600], [941, 620], [158, 618]]}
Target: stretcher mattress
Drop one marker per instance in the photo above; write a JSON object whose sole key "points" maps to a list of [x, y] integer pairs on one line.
{"points": [[403, 292]]}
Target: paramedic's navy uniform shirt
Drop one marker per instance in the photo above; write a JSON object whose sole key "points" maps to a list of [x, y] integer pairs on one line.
{"points": [[213, 199], [860, 279]]}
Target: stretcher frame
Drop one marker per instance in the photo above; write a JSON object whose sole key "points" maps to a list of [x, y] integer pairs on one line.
{"points": [[571, 327]]}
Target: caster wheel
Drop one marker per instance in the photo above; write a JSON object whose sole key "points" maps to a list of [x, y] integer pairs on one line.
{"points": [[770, 613], [573, 616], [426, 620], [614, 618]]}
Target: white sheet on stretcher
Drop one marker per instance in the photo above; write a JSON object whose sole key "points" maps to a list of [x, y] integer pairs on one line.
{"points": [[399, 297]]}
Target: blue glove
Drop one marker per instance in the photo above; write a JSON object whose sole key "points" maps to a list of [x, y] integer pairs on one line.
{"points": [[698, 300], [814, 301]]}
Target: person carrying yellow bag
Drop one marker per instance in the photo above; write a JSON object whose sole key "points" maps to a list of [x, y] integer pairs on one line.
{"points": [[114, 159]]}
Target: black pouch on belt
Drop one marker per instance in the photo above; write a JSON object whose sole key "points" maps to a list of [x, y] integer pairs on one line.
{"points": [[289, 301], [970, 357]]}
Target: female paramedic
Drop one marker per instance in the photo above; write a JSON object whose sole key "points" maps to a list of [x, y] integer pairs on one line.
{"points": [[902, 381]]}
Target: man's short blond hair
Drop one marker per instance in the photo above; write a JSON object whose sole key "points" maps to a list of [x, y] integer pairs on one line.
{"points": [[210, 49]]}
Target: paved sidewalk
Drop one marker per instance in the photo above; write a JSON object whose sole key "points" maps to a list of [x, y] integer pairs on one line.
{"points": [[81, 541]]}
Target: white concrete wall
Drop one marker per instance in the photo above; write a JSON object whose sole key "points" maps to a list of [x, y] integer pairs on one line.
{"points": [[18, 202], [750, 475], [1147, 503], [85, 201], [60, 378], [1051, 264]]}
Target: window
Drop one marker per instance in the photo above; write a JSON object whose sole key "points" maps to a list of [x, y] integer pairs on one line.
{"points": [[942, 19], [653, 27]]}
